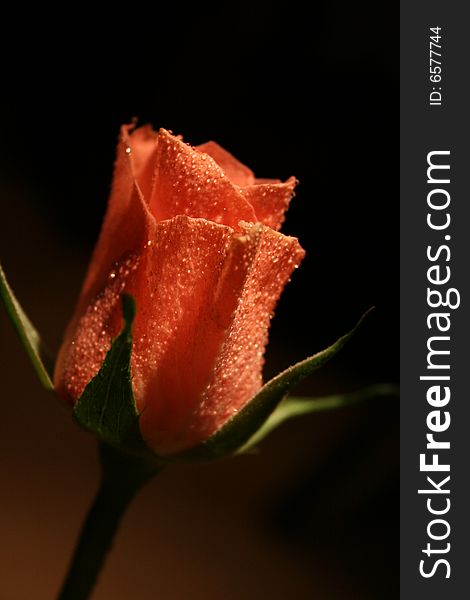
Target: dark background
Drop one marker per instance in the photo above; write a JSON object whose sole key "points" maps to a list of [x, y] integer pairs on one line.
{"points": [[315, 514]]}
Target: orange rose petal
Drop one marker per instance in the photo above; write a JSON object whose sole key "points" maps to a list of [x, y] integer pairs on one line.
{"points": [[189, 182], [260, 180], [178, 330], [142, 142], [199, 342], [270, 200], [270, 258], [236, 171], [127, 222], [127, 226]]}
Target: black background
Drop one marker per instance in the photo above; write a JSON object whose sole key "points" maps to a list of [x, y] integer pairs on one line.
{"points": [[288, 93]]}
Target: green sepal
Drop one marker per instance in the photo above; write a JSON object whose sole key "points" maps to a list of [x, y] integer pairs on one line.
{"points": [[296, 406], [107, 406], [41, 360], [235, 433]]}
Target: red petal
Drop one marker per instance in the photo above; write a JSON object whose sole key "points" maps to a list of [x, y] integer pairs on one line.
{"points": [[236, 171], [142, 142], [237, 374], [127, 226], [210, 359], [179, 329], [188, 182], [270, 200]]}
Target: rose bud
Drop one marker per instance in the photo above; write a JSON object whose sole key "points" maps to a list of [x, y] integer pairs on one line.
{"points": [[193, 237]]}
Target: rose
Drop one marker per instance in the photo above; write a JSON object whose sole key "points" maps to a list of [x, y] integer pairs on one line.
{"points": [[162, 359], [192, 236]]}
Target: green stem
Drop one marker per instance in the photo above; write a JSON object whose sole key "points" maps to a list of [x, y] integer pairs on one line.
{"points": [[122, 476]]}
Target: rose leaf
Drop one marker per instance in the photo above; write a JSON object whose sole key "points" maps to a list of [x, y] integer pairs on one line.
{"points": [[107, 406], [295, 406], [42, 362], [235, 434]]}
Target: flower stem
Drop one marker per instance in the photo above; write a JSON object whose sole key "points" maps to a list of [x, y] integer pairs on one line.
{"points": [[122, 476]]}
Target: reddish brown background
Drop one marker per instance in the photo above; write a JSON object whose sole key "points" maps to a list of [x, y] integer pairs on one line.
{"points": [[315, 514]]}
